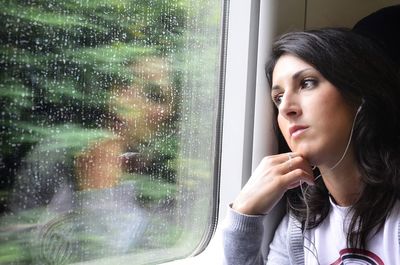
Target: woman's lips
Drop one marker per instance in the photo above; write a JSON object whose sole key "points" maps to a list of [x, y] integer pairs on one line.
{"points": [[296, 130]]}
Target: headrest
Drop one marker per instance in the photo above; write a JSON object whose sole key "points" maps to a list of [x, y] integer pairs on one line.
{"points": [[383, 26]]}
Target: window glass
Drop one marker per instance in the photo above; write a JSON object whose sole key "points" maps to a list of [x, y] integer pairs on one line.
{"points": [[108, 121]]}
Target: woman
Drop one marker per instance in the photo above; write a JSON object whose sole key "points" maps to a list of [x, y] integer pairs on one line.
{"points": [[336, 97]]}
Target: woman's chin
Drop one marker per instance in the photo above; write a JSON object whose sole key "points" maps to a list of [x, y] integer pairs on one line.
{"points": [[311, 157]]}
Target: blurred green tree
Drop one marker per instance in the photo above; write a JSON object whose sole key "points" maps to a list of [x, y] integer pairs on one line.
{"points": [[60, 63]]}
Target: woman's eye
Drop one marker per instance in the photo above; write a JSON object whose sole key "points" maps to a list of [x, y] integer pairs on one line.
{"points": [[277, 99], [308, 83]]}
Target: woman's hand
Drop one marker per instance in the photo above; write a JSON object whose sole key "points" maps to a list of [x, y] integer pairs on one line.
{"points": [[271, 179]]}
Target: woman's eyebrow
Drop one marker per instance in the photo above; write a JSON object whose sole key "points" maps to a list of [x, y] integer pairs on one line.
{"points": [[295, 76]]}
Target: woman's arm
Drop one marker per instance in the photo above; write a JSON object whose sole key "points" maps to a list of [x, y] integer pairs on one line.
{"points": [[270, 180], [243, 232], [243, 235], [242, 238]]}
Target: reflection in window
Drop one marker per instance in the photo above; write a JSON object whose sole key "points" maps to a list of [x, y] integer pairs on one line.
{"points": [[107, 129]]}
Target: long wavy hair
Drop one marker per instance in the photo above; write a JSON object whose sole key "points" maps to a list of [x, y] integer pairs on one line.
{"points": [[362, 73]]}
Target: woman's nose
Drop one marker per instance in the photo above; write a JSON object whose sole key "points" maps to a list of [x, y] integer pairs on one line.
{"points": [[289, 106]]}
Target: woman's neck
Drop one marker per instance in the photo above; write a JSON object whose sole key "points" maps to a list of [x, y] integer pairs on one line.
{"points": [[343, 182]]}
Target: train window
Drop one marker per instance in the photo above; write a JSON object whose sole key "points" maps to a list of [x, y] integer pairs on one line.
{"points": [[108, 130]]}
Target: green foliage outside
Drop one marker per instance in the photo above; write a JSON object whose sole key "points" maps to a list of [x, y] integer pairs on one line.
{"points": [[65, 66], [61, 62]]}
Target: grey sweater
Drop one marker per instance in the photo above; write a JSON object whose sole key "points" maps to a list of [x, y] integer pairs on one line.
{"points": [[242, 238], [243, 234]]}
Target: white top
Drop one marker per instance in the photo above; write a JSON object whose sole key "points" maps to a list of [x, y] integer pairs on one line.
{"points": [[327, 242]]}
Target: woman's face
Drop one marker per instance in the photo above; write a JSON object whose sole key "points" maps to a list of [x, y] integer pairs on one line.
{"points": [[312, 115]]}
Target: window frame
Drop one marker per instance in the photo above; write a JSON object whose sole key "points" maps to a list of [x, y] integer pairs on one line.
{"points": [[248, 133]]}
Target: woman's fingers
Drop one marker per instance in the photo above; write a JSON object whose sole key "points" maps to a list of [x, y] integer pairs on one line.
{"points": [[299, 167], [279, 164], [295, 171], [294, 178]]}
